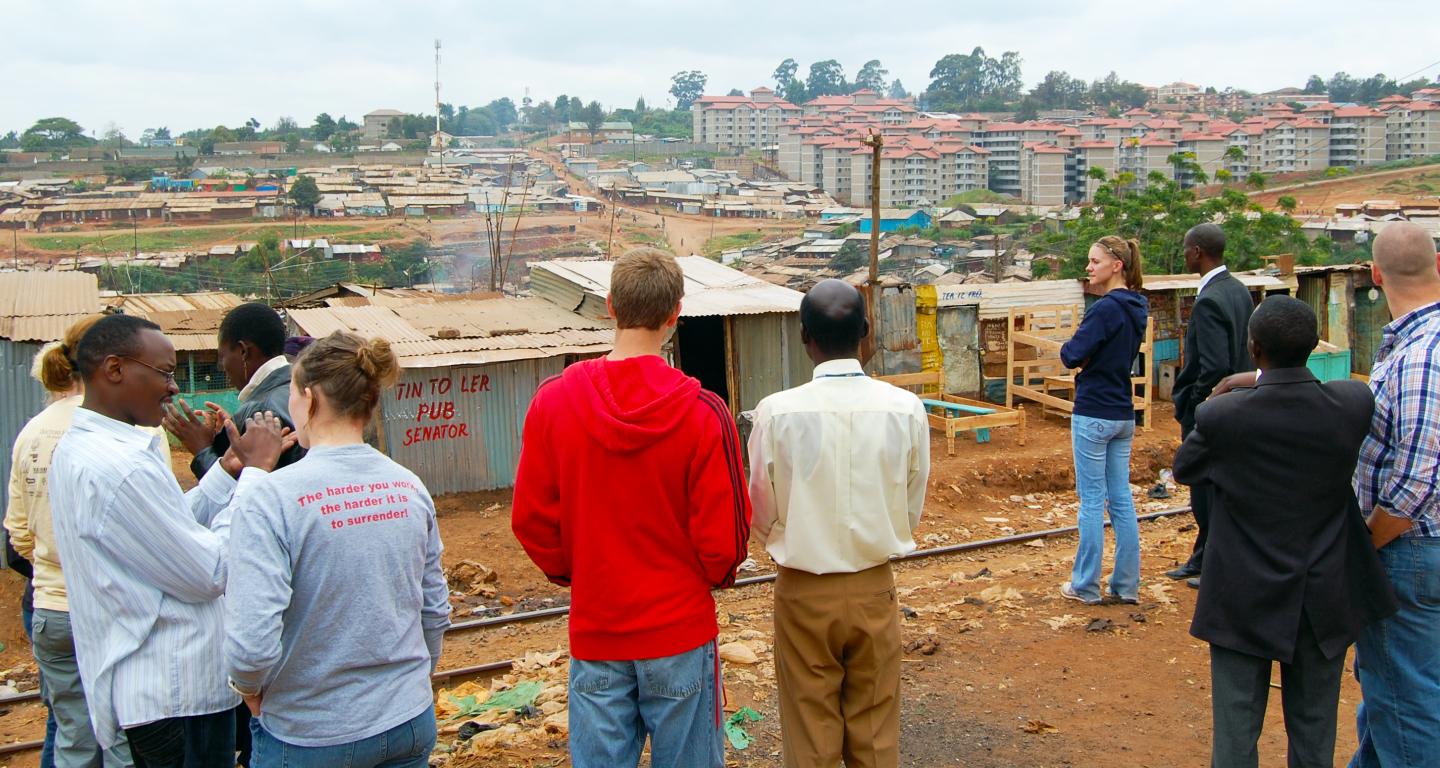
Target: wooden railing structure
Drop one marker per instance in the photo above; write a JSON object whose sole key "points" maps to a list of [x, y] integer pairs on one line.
{"points": [[1036, 334]]}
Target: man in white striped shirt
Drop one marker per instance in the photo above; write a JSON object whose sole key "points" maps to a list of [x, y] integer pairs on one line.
{"points": [[144, 561]]}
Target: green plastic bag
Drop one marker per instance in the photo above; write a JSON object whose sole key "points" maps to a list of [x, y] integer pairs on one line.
{"points": [[735, 727]]}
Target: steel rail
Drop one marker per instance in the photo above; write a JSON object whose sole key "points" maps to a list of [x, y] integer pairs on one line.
{"points": [[549, 613]]}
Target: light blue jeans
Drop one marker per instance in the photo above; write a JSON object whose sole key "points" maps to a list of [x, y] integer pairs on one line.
{"points": [[673, 699], [1102, 478], [1398, 661], [407, 745]]}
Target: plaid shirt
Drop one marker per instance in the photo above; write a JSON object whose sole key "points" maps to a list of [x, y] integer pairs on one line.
{"points": [[1400, 461]]}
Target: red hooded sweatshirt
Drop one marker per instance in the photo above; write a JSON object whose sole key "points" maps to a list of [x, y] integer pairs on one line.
{"points": [[630, 491]]}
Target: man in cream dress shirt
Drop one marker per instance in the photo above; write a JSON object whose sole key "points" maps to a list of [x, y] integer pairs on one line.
{"points": [[837, 481]]}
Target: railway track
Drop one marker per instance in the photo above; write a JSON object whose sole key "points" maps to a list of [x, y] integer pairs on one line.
{"points": [[550, 613]]}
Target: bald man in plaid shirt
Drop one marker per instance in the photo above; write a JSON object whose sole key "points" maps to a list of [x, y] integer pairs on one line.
{"points": [[1398, 659]]}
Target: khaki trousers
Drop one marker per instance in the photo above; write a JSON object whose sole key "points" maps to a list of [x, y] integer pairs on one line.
{"points": [[837, 661]]}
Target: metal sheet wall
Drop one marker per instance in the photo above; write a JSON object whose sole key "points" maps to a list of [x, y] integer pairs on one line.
{"points": [[899, 348], [459, 428], [1371, 316], [768, 356], [958, 330], [21, 397]]}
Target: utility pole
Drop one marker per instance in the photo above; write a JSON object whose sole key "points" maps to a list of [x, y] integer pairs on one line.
{"points": [[439, 148], [870, 290], [999, 262]]}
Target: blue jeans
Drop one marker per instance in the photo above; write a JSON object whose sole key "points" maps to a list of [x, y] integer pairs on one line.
{"points": [[407, 745], [47, 752], [1398, 662], [673, 699], [1102, 474]]}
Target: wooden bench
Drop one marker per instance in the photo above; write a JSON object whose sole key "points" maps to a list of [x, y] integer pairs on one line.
{"points": [[950, 414]]}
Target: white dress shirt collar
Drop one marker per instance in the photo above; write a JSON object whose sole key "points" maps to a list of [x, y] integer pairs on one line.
{"points": [[261, 374], [95, 421], [1208, 276], [848, 366]]}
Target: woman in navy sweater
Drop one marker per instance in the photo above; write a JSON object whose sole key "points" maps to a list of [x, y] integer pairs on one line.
{"points": [[1103, 423]]}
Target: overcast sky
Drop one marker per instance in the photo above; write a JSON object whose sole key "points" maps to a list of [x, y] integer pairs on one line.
{"points": [[185, 65]]}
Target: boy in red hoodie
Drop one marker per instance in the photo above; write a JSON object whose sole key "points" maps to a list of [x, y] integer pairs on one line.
{"points": [[630, 491]]}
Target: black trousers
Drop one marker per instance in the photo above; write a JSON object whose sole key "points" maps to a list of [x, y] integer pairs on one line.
{"points": [[1309, 694], [201, 741]]}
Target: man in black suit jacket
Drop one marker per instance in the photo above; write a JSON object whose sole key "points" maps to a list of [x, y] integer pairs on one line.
{"points": [[1291, 575], [1214, 348]]}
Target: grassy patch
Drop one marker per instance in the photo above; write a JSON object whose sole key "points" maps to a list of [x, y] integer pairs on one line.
{"points": [[176, 238], [975, 196], [718, 245]]}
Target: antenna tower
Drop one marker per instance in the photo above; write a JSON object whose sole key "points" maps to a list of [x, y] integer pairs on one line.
{"points": [[436, 141]]}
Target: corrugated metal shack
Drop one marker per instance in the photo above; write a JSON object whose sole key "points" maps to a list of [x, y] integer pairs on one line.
{"points": [[971, 326], [740, 336], [1350, 310], [35, 307], [192, 323], [469, 369], [1172, 297]]}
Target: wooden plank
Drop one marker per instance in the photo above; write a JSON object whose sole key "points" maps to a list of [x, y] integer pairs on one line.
{"points": [[956, 407], [1044, 399], [913, 379]]}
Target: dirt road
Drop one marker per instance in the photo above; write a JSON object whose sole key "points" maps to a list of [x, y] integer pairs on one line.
{"points": [[1019, 677]]}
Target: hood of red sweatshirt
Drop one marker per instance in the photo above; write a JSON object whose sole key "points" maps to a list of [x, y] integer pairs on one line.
{"points": [[631, 403]]}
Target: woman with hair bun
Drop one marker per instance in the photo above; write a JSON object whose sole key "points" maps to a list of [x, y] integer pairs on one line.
{"points": [[69, 739], [1102, 425], [336, 604]]}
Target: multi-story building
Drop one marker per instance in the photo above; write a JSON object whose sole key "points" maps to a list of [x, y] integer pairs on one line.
{"points": [[1087, 155], [814, 146], [750, 122], [1046, 174], [1141, 157], [1412, 130], [1209, 156], [963, 168], [1357, 136], [1295, 146]]}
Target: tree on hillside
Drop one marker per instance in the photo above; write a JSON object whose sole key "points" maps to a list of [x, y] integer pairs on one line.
{"points": [[113, 137], [686, 87], [787, 86], [1160, 214], [872, 76], [1316, 84], [974, 81], [1256, 181], [52, 133], [502, 111], [1117, 95], [594, 117], [897, 90], [323, 127], [827, 78], [1061, 91], [735, 92], [305, 193], [1029, 109], [284, 125], [640, 106]]}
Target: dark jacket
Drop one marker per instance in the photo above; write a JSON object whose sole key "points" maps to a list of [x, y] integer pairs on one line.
{"points": [[273, 394], [1215, 343], [1286, 535], [1104, 347]]}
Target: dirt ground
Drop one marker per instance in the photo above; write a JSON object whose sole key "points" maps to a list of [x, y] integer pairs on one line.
{"points": [[1018, 676], [1321, 197]]}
